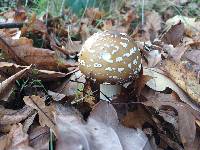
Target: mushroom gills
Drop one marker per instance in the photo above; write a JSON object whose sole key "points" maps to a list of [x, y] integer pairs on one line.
{"points": [[107, 91]]}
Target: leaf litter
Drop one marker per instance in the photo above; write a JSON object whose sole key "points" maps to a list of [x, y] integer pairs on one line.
{"points": [[45, 101]]}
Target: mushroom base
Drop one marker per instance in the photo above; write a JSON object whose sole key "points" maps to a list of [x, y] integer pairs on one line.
{"points": [[107, 91]]}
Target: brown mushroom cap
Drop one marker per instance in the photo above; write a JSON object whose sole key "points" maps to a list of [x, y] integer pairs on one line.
{"points": [[110, 57]]}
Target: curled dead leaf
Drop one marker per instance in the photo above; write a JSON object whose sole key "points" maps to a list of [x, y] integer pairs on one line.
{"points": [[160, 82], [7, 85]]}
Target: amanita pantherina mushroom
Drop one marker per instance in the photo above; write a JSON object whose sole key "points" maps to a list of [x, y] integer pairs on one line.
{"points": [[111, 59]]}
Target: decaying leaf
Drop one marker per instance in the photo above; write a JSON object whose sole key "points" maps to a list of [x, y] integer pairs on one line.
{"points": [[7, 85], [184, 78], [71, 86], [137, 118], [140, 83], [101, 127], [34, 25], [5, 141], [28, 122], [186, 119], [8, 116], [39, 138], [191, 26], [176, 52], [9, 69], [19, 138], [94, 13], [45, 112], [153, 58], [160, 82], [174, 34], [152, 25], [22, 51], [193, 56]]}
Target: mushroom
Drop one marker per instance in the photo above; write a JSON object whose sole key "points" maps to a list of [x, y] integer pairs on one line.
{"points": [[111, 59]]}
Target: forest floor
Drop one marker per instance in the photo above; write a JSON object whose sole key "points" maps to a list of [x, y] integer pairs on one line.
{"points": [[47, 103]]}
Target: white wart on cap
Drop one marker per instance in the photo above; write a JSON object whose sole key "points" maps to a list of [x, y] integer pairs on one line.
{"points": [[110, 57]]}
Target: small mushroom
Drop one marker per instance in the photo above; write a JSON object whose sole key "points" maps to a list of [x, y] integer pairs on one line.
{"points": [[111, 59]]}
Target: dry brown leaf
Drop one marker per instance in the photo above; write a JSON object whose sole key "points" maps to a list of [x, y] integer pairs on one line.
{"points": [[28, 122], [6, 86], [184, 78], [71, 86], [39, 138], [152, 25], [140, 83], [191, 26], [174, 34], [84, 32], [154, 58], [9, 69], [34, 26], [186, 119], [15, 15], [22, 51], [193, 56], [19, 139], [107, 25], [5, 128], [101, 127], [5, 141], [129, 17], [137, 118], [45, 112], [94, 13], [160, 82], [8, 116], [176, 52]]}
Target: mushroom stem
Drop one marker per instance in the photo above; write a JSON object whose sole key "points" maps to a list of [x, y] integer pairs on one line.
{"points": [[107, 91]]}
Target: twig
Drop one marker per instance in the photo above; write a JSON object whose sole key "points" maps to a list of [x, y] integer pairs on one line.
{"points": [[11, 25], [142, 13]]}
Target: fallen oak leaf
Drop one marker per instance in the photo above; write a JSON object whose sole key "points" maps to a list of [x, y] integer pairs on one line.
{"points": [[45, 112], [160, 82], [7, 85]]}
